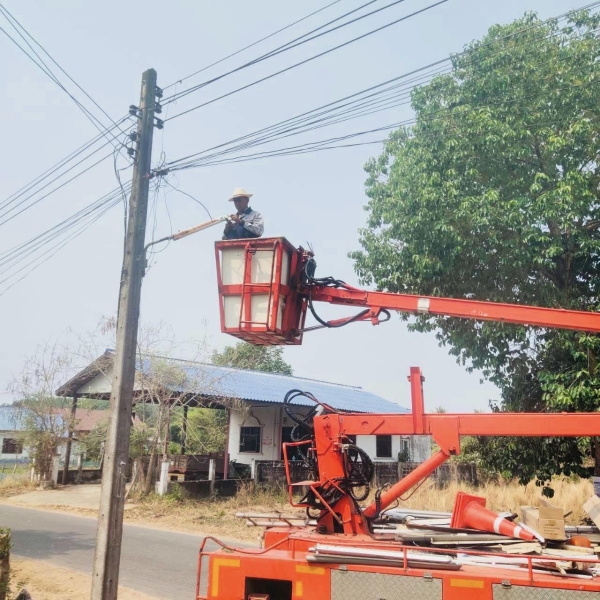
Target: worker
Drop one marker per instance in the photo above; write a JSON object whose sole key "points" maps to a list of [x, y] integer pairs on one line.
{"points": [[246, 223]]}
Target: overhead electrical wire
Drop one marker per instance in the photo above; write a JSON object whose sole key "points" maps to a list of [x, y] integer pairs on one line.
{"points": [[56, 167], [85, 146], [315, 146], [48, 254], [287, 46], [307, 60], [363, 104], [263, 39], [39, 240], [48, 71], [38, 200]]}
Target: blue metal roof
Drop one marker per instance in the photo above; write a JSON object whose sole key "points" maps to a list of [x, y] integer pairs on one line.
{"points": [[256, 386], [9, 418]]}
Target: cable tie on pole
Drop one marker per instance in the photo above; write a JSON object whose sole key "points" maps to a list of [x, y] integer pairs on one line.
{"points": [[159, 173]]}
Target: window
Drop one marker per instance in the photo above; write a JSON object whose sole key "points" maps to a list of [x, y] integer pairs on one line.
{"points": [[286, 437], [11, 446], [383, 446], [250, 439], [405, 446]]}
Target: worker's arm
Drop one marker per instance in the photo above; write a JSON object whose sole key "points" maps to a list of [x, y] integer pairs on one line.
{"points": [[256, 226]]}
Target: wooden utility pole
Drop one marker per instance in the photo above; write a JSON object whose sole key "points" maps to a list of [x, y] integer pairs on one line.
{"points": [[116, 451]]}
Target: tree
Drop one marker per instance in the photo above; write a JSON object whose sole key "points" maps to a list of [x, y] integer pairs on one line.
{"points": [[256, 358], [494, 194], [42, 426]]}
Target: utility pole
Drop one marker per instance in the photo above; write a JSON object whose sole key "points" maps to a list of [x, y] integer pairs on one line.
{"points": [[107, 556]]}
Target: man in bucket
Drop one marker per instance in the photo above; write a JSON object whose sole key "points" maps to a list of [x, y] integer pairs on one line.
{"points": [[247, 223]]}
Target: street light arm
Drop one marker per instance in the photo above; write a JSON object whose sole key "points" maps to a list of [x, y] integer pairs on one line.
{"points": [[192, 230], [181, 234], [186, 232]]}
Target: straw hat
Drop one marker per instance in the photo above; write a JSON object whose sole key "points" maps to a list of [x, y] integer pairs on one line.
{"points": [[240, 193]]}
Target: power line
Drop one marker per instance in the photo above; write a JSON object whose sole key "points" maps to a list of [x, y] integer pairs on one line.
{"points": [[38, 200], [59, 165], [356, 103], [251, 45], [287, 46], [308, 59], [48, 71], [7, 12], [321, 145], [57, 248], [190, 196]]}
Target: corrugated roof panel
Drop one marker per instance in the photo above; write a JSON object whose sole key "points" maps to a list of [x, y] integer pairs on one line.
{"points": [[255, 386], [9, 418]]}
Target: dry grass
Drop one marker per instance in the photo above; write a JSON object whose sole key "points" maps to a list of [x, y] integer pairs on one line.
{"points": [[48, 582], [506, 496], [218, 516], [215, 516], [11, 486]]}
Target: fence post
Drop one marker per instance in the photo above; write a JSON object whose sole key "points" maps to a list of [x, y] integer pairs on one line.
{"points": [[55, 469], [253, 470], [163, 483], [79, 477], [212, 471]]}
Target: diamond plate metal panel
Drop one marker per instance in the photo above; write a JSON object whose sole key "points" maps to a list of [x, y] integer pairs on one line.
{"points": [[353, 585], [518, 592]]}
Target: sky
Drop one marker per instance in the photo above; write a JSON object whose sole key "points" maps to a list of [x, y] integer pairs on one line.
{"points": [[315, 198]]}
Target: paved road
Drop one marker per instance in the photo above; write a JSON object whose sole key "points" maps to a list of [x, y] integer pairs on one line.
{"points": [[156, 562]]}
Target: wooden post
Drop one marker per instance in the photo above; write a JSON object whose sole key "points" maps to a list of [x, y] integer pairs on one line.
{"points": [[184, 429], [65, 475], [105, 578]]}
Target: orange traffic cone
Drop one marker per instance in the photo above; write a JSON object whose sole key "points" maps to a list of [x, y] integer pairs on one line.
{"points": [[470, 513]]}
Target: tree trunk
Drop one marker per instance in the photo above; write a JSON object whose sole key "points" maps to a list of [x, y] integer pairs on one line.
{"points": [[150, 474], [138, 479], [596, 454], [4, 563]]}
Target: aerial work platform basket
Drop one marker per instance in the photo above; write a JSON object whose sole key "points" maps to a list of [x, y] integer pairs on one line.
{"points": [[258, 283]]}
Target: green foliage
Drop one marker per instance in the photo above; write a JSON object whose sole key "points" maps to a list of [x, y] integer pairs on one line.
{"points": [[139, 440], [257, 358], [494, 194], [206, 430]]}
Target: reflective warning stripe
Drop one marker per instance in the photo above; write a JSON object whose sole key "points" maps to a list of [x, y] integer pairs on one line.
{"points": [[467, 583], [497, 524], [309, 569], [217, 563]]}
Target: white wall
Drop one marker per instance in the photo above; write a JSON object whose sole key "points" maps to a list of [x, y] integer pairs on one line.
{"points": [[272, 418]]}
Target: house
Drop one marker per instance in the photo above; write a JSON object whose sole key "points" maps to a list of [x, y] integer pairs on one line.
{"points": [[11, 448], [257, 422], [11, 429]]}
